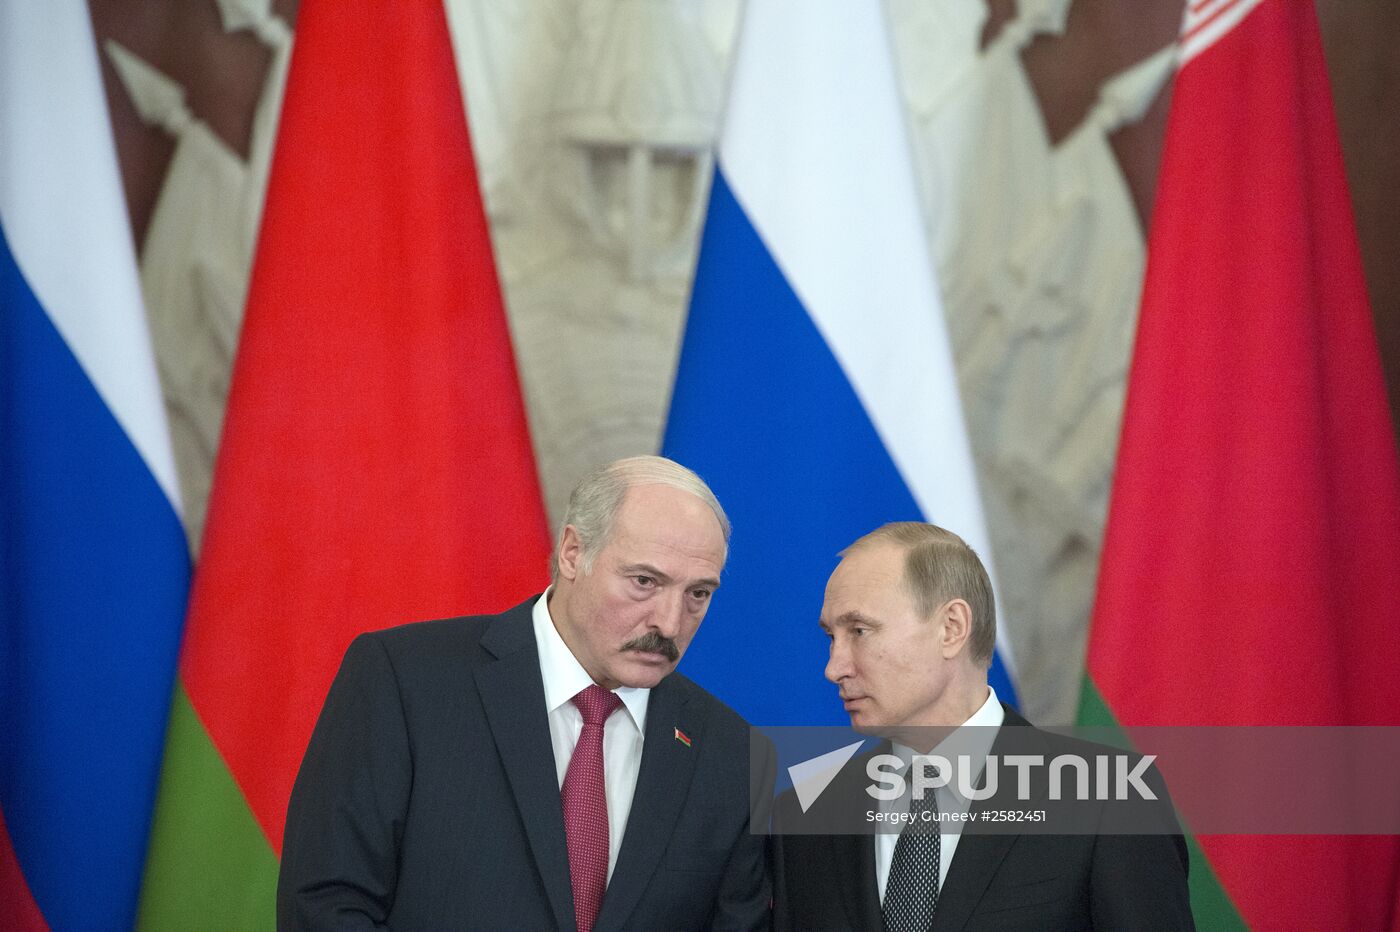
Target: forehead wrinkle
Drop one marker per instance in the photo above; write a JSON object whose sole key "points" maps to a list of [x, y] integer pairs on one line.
{"points": [[646, 568], [664, 577], [853, 617]]}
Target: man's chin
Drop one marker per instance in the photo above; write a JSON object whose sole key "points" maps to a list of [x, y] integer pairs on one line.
{"points": [[867, 724], [864, 727]]}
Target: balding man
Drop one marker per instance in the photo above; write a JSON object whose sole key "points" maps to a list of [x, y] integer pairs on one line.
{"points": [[911, 618], [544, 768]]}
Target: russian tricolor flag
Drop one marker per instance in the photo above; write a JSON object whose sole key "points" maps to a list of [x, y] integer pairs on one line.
{"points": [[93, 563], [816, 390]]}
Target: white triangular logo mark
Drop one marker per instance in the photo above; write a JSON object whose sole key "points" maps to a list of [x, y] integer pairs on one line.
{"points": [[811, 777]]}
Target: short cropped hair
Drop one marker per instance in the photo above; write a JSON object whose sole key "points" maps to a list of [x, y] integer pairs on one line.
{"points": [[939, 566], [594, 503]]}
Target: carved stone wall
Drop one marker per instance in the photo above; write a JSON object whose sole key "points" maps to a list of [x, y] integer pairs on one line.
{"points": [[198, 248], [1037, 245], [593, 122], [1040, 258]]}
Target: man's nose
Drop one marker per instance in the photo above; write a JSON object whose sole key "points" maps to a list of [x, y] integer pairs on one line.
{"points": [[670, 611], [838, 665]]}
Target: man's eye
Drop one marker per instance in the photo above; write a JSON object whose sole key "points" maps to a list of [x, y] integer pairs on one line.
{"points": [[859, 632], [646, 582], [700, 595]]}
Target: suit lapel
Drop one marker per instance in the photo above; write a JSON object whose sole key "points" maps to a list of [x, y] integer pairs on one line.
{"points": [[663, 785], [512, 695], [977, 857], [853, 858], [853, 854], [974, 865]]}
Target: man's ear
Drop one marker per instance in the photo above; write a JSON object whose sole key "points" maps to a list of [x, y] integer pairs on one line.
{"points": [[956, 617], [570, 553]]}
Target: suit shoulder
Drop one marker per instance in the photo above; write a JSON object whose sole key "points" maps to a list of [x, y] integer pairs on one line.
{"points": [[427, 637], [441, 632], [1023, 734], [426, 645], [716, 708], [1060, 743]]}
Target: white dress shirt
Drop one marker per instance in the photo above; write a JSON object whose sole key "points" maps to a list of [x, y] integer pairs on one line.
{"points": [[976, 745], [564, 678]]}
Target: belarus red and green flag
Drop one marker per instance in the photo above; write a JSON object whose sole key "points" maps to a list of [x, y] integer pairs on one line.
{"points": [[1251, 568], [376, 466]]}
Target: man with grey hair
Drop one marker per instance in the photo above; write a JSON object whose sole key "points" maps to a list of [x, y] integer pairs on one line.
{"points": [[544, 768], [911, 619]]}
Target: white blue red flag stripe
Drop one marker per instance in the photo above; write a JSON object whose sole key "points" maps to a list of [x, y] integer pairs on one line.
{"points": [[94, 570], [816, 390]]}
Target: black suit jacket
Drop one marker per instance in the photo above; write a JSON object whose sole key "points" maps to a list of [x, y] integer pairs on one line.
{"points": [[428, 798], [1005, 881]]}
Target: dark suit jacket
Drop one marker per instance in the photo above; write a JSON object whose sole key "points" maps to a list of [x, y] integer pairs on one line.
{"points": [[1007, 881], [428, 798]]}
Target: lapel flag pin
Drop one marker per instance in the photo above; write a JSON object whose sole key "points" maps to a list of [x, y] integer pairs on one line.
{"points": [[682, 737]]}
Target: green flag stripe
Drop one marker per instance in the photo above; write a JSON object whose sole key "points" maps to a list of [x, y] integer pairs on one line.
{"points": [[1209, 902], [209, 865]]}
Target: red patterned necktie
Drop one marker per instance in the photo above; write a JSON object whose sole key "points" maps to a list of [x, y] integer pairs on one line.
{"points": [[586, 807]]}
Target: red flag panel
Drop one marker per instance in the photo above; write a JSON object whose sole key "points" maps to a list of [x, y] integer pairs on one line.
{"points": [[376, 466], [1251, 566]]}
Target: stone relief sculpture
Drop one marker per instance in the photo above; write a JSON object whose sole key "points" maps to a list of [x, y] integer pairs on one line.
{"points": [[198, 249], [603, 113], [1040, 258], [593, 123]]}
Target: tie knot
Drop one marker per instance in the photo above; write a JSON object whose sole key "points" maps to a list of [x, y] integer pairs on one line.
{"points": [[596, 704]]}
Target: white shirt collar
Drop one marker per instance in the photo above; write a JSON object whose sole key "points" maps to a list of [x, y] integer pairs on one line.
{"points": [[991, 714], [976, 743], [564, 677]]}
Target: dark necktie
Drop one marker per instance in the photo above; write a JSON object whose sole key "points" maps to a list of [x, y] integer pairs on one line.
{"points": [[911, 893], [586, 807]]}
